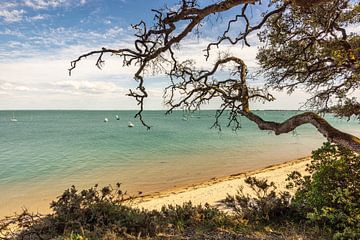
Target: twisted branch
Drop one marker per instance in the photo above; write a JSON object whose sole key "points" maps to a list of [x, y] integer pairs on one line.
{"points": [[151, 44], [198, 87]]}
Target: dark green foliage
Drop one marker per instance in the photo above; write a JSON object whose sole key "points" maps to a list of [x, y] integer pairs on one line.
{"points": [[187, 215], [266, 205], [96, 211], [347, 109], [97, 214], [328, 198], [314, 49], [331, 196], [92, 213]]}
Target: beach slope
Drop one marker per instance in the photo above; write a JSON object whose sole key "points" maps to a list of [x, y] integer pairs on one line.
{"points": [[215, 191]]}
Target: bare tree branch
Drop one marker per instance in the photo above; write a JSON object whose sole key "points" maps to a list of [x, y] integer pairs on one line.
{"points": [[291, 23], [197, 87], [330, 133]]}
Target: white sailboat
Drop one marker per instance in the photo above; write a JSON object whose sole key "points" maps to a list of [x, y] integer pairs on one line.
{"points": [[106, 120], [13, 119], [130, 124], [117, 117]]}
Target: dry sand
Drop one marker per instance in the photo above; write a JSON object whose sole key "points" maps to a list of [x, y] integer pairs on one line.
{"points": [[216, 190]]}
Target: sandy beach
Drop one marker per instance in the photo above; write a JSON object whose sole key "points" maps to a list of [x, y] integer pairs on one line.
{"points": [[211, 191], [216, 190]]}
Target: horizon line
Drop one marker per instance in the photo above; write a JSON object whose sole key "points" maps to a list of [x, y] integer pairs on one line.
{"points": [[69, 109]]}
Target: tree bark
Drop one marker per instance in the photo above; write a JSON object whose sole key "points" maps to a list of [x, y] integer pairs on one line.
{"points": [[332, 134]]}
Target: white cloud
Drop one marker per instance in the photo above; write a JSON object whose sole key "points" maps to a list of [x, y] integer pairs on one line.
{"points": [[10, 32], [47, 71], [43, 75], [194, 49], [113, 32], [61, 42], [8, 5], [38, 17], [91, 87], [41, 82], [45, 4], [9, 87], [12, 15], [14, 11]]}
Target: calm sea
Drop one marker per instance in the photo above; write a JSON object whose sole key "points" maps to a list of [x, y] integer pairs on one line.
{"points": [[45, 152]]}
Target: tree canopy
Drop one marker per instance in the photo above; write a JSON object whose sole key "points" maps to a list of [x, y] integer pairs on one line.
{"points": [[305, 44], [312, 49]]}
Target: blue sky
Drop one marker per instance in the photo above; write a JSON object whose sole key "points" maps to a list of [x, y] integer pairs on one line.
{"points": [[39, 38]]}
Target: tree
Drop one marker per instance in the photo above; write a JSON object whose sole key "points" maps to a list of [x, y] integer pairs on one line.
{"points": [[306, 44]]}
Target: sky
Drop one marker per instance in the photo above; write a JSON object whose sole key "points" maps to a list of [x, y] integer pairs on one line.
{"points": [[39, 38]]}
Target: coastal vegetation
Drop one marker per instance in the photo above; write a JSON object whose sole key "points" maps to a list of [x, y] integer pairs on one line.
{"points": [[325, 205]]}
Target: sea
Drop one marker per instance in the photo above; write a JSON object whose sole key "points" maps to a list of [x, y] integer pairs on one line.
{"points": [[45, 152]]}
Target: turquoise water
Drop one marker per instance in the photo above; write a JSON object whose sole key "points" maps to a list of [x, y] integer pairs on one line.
{"points": [[59, 148]]}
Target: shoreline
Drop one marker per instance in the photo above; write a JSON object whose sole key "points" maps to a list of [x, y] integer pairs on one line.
{"points": [[182, 193], [222, 186]]}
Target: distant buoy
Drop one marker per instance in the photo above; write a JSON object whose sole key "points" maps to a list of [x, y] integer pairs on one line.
{"points": [[106, 120]]}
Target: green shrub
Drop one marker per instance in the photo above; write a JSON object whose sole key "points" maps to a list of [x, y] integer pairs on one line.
{"points": [[330, 197], [263, 205], [95, 213], [88, 214], [101, 214], [190, 216]]}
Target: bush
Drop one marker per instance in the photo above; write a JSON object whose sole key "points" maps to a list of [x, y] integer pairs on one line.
{"points": [[266, 205], [102, 214], [92, 213], [95, 212], [331, 196], [328, 198], [189, 216]]}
